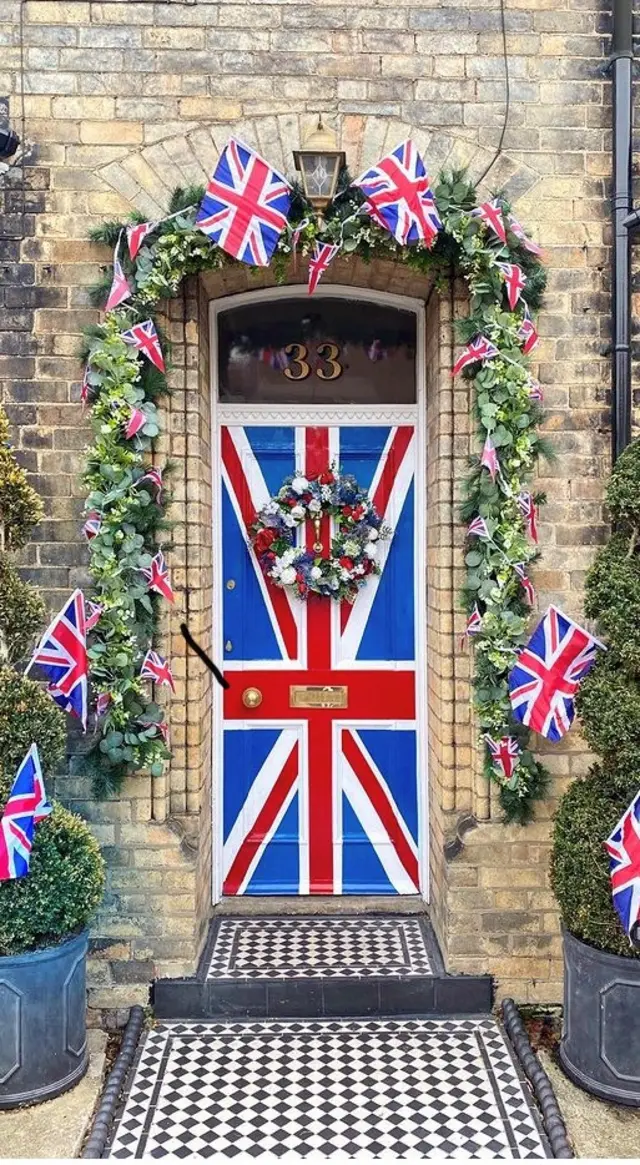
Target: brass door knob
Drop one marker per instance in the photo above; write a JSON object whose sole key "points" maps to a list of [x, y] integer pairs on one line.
{"points": [[252, 698]]}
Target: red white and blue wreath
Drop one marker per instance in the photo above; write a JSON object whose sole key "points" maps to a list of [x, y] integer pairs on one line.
{"points": [[337, 572]]}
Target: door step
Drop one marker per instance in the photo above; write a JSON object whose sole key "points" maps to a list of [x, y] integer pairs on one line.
{"points": [[321, 966]]}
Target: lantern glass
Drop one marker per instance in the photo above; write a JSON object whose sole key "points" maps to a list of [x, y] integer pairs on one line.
{"points": [[319, 175]]}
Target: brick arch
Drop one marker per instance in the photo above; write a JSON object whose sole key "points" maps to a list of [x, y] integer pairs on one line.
{"points": [[146, 177]]}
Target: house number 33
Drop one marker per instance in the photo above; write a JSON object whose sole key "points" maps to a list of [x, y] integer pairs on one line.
{"points": [[299, 367]]}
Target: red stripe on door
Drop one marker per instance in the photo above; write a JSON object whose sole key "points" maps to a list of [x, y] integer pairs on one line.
{"points": [[263, 824]]}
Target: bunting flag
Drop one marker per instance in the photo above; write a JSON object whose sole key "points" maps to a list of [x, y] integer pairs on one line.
{"points": [[85, 387], [92, 525], [535, 389], [526, 583], [519, 232], [155, 477], [137, 421], [491, 214], [144, 337], [480, 348], [376, 352], [479, 528], [62, 656], [323, 254], [163, 729], [474, 624], [527, 333], [157, 576], [245, 205], [547, 674], [623, 848], [93, 612], [529, 512], [26, 807], [155, 668], [120, 289], [515, 281], [102, 703], [489, 459], [398, 190], [505, 754], [137, 234]]}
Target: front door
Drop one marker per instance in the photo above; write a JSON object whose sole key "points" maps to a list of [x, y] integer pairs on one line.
{"points": [[321, 791]]}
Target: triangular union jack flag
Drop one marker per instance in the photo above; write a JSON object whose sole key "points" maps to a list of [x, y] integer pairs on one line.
{"points": [[544, 680], [623, 848], [505, 754], [397, 188], [85, 387], [137, 421], [478, 349], [527, 508], [137, 234], [245, 205], [92, 525], [145, 338], [527, 585], [515, 281], [93, 612], [26, 807], [474, 625], [479, 528], [489, 459], [535, 389], [527, 333], [120, 289], [62, 655], [491, 214], [155, 668], [157, 576], [519, 232], [323, 254], [102, 703], [155, 477]]}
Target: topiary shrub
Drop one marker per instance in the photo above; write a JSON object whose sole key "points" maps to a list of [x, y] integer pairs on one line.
{"points": [[65, 882], [609, 708]]}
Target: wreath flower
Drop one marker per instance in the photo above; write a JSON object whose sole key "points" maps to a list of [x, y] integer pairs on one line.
{"points": [[338, 571]]}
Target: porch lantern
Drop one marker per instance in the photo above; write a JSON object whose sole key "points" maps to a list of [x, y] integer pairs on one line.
{"points": [[318, 163]]}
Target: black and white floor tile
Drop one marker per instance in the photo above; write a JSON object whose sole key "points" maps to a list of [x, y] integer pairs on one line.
{"points": [[302, 947], [365, 1087]]}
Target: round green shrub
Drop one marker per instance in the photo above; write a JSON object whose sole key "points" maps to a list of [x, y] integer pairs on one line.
{"points": [[20, 506], [62, 890], [22, 613], [27, 714]]}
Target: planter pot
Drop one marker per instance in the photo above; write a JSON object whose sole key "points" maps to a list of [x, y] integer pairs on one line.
{"points": [[600, 1047], [43, 1041]]}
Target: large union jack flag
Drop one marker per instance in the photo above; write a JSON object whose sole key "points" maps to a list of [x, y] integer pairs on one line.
{"points": [[544, 681], [322, 799], [245, 206], [623, 848], [26, 806], [399, 196], [62, 656]]}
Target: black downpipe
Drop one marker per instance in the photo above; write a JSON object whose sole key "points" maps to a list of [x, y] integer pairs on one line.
{"points": [[621, 67]]}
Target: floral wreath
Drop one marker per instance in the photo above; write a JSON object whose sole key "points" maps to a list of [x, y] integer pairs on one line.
{"points": [[357, 533]]}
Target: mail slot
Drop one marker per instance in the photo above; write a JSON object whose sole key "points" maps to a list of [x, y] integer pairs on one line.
{"points": [[308, 696]]}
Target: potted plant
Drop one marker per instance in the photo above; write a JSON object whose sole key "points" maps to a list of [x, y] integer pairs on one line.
{"points": [[600, 1047], [43, 913]]}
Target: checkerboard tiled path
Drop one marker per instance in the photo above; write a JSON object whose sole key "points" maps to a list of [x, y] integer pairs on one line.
{"points": [[309, 947], [408, 1087]]}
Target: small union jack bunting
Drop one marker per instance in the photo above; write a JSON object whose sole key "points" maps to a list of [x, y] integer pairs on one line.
{"points": [[323, 254], [163, 729], [92, 525], [137, 421], [137, 234], [527, 585], [515, 281], [527, 333], [474, 624], [528, 510], [623, 848], [155, 477], [26, 807], [93, 612], [85, 387], [519, 232], [102, 703], [479, 528], [535, 389], [155, 668], [145, 338], [399, 197], [491, 214], [120, 289], [505, 754], [157, 576], [480, 348], [489, 459]]}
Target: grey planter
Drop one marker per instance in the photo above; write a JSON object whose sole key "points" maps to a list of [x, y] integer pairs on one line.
{"points": [[600, 1047], [43, 1039]]}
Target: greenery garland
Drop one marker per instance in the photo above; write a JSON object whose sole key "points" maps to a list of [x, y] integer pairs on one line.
{"points": [[130, 732]]}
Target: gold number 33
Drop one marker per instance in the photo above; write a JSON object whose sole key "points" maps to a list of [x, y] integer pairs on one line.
{"points": [[299, 367]]}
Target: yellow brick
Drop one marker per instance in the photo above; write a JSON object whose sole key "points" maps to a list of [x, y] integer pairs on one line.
{"points": [[116, 132]]}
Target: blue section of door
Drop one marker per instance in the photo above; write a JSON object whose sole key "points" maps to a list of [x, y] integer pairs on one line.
{"points": [[278, 871], [245, 751], [362, 870], [390, 632]]}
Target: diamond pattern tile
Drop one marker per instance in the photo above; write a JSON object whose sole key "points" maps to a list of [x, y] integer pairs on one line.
{"points": [[302, 947], [406, 1087]]}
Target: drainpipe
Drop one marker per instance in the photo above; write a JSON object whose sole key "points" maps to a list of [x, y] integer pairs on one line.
{"points": [[621, 69]]}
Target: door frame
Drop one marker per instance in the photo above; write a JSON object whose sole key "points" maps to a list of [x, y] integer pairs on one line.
{"points": [[268, 414]]}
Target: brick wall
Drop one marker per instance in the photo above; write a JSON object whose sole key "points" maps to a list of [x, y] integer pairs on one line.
{"points": [[124, 100]]}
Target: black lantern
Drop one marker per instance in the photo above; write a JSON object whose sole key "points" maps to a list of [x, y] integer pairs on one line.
{"points": [[319, 163]]}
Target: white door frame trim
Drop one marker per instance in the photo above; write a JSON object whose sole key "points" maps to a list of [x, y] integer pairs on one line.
{"points": [[238, 414]]}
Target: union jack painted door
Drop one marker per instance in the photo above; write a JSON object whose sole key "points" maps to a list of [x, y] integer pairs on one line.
{"points": [[320, 800]]}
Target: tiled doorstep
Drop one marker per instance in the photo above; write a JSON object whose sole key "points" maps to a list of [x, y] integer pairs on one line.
{"points": [[433, 1087]]}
